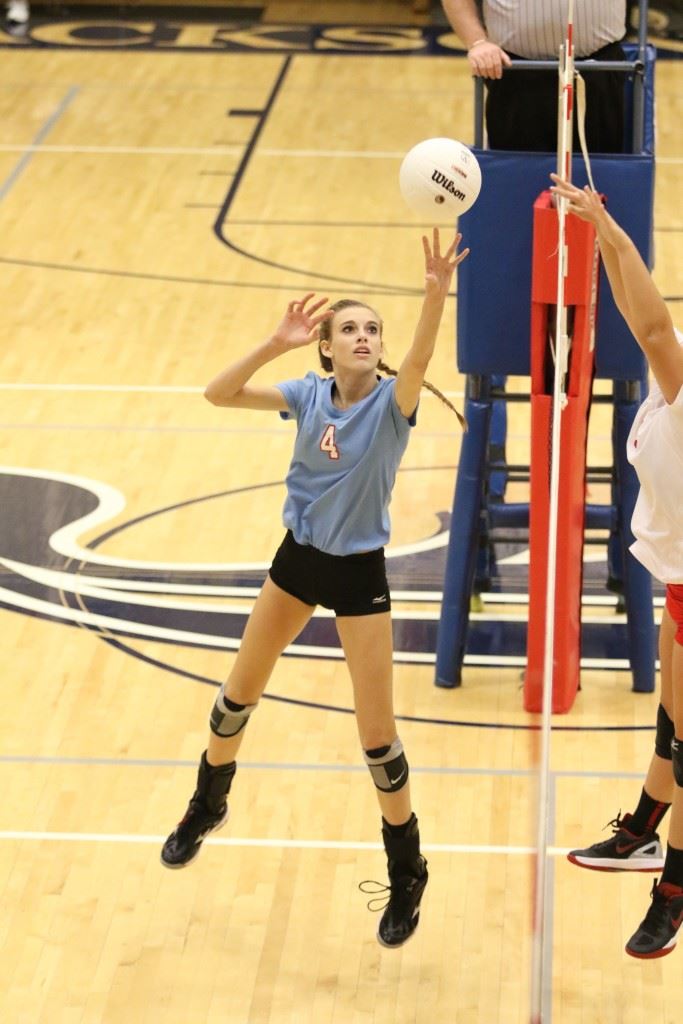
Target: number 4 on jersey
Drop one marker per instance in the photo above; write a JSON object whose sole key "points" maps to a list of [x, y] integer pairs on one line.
{"points": [[327, 443]]}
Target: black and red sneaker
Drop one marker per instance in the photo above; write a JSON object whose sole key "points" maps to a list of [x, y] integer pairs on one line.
{"points": [[624, 851], [658, 931]]}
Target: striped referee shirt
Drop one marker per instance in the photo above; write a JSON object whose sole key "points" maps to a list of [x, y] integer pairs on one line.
{"points": [[535, 29]]}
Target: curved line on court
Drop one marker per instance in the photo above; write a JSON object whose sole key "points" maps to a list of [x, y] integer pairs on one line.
{"points": [[387, 290], [220, 222], [417, 719], [97, 541]]}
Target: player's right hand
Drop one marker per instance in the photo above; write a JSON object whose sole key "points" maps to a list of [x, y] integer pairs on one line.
{"points": [[299, 325]]}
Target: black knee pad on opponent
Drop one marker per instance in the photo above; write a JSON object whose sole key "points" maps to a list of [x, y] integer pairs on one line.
{"points": [[388, 767], [664, 734], [228, 718], [677, 759]]}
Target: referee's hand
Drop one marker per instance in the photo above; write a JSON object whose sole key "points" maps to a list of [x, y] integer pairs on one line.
{"points": [[487, 59]]}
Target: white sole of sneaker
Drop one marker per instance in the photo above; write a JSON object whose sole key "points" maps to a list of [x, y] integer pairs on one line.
{"points": [[605, 864], [216, 827]]}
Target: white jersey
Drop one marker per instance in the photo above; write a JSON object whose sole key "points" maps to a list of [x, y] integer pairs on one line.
{"points": [[535, 29], [655, 450]]}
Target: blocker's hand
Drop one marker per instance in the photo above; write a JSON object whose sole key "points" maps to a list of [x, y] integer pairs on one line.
{"points": [[584, 202]]}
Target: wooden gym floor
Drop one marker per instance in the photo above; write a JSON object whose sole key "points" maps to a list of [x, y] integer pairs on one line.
{"points": [[148, 239]]}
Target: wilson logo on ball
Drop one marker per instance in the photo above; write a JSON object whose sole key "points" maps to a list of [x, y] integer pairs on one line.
{"points": [[449, 185]]}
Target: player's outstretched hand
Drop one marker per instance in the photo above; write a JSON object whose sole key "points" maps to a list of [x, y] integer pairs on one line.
{"points": [[299, 325], [584, 202], [439, 269]]}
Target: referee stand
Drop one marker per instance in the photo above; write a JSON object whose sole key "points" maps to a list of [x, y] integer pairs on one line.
{"points": [[493, 341]]}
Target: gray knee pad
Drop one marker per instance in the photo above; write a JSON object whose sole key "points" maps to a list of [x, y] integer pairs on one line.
{"points": [[228, 718], [388, 767], [677, 759], [664, 734]]}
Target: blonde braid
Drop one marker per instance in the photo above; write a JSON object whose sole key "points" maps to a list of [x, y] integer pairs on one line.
{"points": [[430, 387]]}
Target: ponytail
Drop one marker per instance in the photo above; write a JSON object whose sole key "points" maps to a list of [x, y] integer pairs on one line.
{"points": [[430, 387]]}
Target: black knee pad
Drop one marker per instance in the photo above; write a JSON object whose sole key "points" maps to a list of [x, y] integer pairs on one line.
{"points": [[388, 767], [677, 759], [664, 734]]}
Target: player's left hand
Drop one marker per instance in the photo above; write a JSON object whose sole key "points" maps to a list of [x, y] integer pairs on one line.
{"points": [[439, 269]]}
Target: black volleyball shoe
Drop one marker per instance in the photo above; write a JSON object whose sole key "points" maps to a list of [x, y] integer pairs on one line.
{"points": [[400, 900], [657, 933], [206, 813], [624, 851], [402, 914]]}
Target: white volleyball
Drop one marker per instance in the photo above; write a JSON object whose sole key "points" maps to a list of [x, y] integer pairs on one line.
{"points": [[440, 179]]}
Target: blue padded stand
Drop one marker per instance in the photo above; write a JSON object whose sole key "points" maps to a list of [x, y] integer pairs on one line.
{"points": [[493, 329]]}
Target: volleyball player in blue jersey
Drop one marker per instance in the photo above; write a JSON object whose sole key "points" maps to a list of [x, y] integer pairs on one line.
{"points": [[352, 430]]}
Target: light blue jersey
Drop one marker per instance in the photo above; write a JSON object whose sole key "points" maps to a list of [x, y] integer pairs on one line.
{"points": [[344, 465]]}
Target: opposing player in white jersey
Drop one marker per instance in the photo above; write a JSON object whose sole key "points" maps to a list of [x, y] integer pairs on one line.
{"points": [[655, 448], [352, 429]]}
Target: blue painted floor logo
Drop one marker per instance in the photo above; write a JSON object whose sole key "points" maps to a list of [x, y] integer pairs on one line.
{"points": [[48, 573]]}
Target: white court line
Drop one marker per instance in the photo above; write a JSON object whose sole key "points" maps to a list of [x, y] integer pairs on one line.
{"points": [[124, 388], [354, 154], [145, 428], [142, 151], [313, 154], [523, 599], [170, 389], [98, 587], [276, 844]]}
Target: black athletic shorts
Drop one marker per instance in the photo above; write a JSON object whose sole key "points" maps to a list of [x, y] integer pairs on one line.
{"points": [[348, 584]]}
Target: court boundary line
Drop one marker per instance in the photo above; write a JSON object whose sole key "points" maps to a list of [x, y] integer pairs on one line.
{"points": [[226, 150], [395, 291], [163, 389], [19, 835], [44, 130], [280, 766]]}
